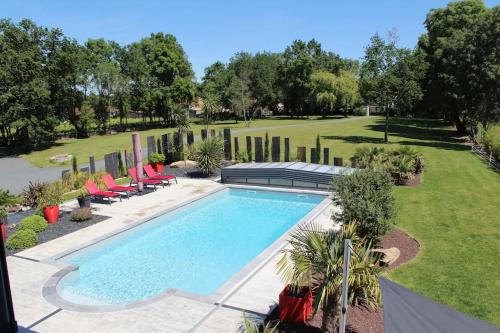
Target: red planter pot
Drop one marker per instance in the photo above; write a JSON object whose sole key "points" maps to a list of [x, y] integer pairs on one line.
{"points": [[3, 231], [295, 305], [158, 167], [51, 214]]}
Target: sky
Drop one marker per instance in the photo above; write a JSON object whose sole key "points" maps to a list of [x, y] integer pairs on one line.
{"points": [[215, 30]]}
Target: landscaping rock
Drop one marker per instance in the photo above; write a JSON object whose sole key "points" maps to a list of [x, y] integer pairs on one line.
{"points": [[61, 158]]}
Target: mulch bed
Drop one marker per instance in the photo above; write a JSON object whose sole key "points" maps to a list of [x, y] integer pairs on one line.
{"points": [[415, 181], [359, 319], [62, 227]]}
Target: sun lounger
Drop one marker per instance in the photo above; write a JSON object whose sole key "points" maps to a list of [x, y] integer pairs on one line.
{"points": [[95, 191]]}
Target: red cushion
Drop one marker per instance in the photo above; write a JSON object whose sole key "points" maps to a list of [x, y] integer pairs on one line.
{"points": [[106, 194]]}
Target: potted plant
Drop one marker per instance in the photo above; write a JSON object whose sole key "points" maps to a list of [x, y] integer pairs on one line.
{"points": [[156, 160], [295, 303], [49, 202], [3, 220], [83, 197]]}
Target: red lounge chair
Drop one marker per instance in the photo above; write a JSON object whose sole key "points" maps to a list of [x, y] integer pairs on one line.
{"points": [[94, 191], [154, 175], [133, 174], [114, 187]]}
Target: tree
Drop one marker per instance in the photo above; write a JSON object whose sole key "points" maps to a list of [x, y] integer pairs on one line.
{"points": [[378, 79], [323, 91], [346, 91], [27, 118], [461, 48], [104, 70], [315, 258]]}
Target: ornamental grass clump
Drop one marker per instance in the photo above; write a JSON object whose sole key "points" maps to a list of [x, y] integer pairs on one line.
{"points": [[22, 239], [81, 215], [33, 222]]}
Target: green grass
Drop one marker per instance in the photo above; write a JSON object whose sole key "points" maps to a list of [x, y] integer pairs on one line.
{"points": [[454, 213], [100, 145]]}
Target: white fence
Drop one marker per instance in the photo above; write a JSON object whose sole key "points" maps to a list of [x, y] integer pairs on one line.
{"points": [[485, 155]]}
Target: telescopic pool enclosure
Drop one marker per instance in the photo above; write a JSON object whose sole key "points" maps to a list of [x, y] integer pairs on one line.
{"points": [[290, 174]]}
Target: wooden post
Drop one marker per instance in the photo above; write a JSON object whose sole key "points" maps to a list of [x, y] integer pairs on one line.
{"points": [[151, 145], [111, 164], [326, 156], [204, 134], [275, 149], [287, 149], [190, 138], [337, 161], [129, 160], [259, 152], [176, 140], [301, 154], [158, 146], [92, 164], [314, 157], [249, 148], [136, 142], [164, 144], [227, 144], [236, 148]]}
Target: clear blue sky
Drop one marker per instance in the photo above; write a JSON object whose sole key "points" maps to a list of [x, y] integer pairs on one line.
{"points": [[214, 30]]}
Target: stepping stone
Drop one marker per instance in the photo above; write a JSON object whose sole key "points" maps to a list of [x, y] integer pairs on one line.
{"points": [[390, 255]]}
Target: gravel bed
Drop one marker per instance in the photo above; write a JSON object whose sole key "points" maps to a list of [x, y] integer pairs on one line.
{"points": [[62, 227]]}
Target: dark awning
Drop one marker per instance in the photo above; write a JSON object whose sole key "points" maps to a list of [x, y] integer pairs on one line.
{"points": [[408, 312]]}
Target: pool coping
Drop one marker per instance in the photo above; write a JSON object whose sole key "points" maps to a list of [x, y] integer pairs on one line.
{"points": [[50, 293]]}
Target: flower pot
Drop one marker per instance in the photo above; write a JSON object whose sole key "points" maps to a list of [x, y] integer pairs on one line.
{"points": [[84, 202], [3, 222], [295, 305], [51, 214], [158, 167]]}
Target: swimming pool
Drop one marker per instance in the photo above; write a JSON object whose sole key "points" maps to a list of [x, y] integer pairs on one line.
{"points": [[195, 249]]}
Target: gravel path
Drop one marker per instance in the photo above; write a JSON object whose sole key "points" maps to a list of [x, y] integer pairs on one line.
{"points": [[15, 172]]}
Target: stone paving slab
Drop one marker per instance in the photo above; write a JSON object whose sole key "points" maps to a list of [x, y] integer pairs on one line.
{"points": [[174, 313]]}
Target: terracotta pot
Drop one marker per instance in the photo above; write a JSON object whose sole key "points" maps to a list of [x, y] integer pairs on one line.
{"points": [[295, 305], [51, 214]]}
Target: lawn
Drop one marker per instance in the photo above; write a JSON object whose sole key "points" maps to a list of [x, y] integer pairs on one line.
{"points": [[98, 146], [454, 214]]}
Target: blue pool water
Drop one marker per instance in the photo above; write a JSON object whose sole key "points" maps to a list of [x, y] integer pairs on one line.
{"points": [[196, 248]]}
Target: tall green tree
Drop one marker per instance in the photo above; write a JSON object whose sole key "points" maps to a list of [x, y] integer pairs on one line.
{"points": [[27, 117], [461, 48]]}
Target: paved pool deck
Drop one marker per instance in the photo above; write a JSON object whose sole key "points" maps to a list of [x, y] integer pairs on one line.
{"points": [[29, 270]]}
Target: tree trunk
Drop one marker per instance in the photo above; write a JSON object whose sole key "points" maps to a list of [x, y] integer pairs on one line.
{"points": [[459, 125], [331, 310], [386, 134]]}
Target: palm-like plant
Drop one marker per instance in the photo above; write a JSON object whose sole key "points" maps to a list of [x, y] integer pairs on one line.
{"points": [[416, 156], [403, 167], [315, 259], [209, 154], [250, 326], [371, 157]]}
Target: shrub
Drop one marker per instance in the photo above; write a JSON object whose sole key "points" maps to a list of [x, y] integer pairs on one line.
{"points": [[209, 154], [416, 158], [22, 239], [491, 140], [33, 222], [318, 149], [156, 158], [6, 199], [33, 192], [366, 197], [266, 147], [370, 158], [74, 164], [3, 213], [81, 214]]}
